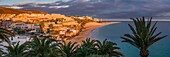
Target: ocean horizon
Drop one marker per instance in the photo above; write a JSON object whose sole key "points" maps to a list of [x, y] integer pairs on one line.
{"points": [[126, 20], [113, 32]]}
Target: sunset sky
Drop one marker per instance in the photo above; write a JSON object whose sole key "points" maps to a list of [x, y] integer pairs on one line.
{"points": [[10, 2], [98, 8]]}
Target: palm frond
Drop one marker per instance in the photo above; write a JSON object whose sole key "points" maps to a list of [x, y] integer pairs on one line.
{"points": [[142, 33]]}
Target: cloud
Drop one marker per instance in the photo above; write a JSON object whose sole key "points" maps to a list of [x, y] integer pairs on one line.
{"points": [[57, 7], [16, 7], [24, 3], [106, 8]]}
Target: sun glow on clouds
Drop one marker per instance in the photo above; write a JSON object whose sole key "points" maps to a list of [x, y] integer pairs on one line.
{"points": [[57, 7], [11, 2], [16, 7], [101, 8], [36, 5]]}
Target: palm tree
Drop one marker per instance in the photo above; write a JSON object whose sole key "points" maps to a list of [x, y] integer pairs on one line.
{"points": [[143, 35], [5, 34], [68, 50], [59, 20], [42, 24], [1, 50], [50, 28], [95, 55], [89, 43], [43, 47], [16, 50], [87, 48], [108, 48], [82, 23]]}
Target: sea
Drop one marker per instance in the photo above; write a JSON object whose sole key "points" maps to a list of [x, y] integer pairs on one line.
{"points": [[113, 32]]}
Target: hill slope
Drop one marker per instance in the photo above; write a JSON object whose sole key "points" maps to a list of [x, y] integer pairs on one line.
{"points": [[4, 10]]}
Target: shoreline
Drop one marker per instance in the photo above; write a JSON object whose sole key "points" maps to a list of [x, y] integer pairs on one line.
{"points": [[89, 27]]}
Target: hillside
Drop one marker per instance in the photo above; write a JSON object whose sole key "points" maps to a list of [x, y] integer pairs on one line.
{"points": [[4, 10]]}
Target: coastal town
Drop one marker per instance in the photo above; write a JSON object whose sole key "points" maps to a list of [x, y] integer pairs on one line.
{"points": [[84, 28], [57, 26]]}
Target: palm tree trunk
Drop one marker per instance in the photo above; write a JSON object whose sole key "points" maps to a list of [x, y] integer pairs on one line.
{"points": [[144, 52]]}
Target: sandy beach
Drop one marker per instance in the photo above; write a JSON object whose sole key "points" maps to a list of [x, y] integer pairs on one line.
{"points": [[88, 28]]}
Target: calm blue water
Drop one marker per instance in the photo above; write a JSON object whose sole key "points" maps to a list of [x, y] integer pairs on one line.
{"points": [[113, 32]]}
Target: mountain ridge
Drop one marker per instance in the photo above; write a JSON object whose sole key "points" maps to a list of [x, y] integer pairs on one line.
{"points": [[5, 10]]}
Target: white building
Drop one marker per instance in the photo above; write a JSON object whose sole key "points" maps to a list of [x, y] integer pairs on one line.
{"points": [[26, 26]]}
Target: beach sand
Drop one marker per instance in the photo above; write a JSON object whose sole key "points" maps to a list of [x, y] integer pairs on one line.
{"points": [[88, 28]]}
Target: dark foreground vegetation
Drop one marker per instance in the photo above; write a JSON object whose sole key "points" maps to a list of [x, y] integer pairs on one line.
{"points": [[143, 35]]}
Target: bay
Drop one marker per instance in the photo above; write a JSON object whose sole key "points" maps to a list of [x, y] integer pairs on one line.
{"points": [[113, 33]]}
